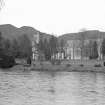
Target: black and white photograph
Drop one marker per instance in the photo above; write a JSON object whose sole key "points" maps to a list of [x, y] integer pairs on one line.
{"points": [[52, 52]]}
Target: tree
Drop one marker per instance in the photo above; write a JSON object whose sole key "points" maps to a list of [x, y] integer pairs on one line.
{"points": [[15, 48], [82, 40], [1, 40], [1, 4], [61, 48], [53, 43], [25, 47], [46, 49], [62, 45], [7, 46], [1, 44], [41, 45], [94, 51], [103, 48]]}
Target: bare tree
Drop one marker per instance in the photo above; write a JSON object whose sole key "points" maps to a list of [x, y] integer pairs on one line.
{"points": [[82, 39], [1, 4]]}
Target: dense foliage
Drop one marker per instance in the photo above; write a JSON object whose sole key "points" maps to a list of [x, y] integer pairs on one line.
{"points": [[103, 48], [22, 48], [19, 48], [94, 51], [49, 47]]}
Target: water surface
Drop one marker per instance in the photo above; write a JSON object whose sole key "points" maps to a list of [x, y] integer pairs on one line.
{"points": [[52, 88]]}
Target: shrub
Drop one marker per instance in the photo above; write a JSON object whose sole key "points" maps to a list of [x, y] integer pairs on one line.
{"points": [[81, 65], [7, 61], [55, 62], [52, 62], [58, 62], [97, 65], [68, 65]]}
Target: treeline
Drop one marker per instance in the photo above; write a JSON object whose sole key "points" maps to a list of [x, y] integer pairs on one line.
{"points": [[92, 50], [21, 47], [18, 48], [51, 47]]}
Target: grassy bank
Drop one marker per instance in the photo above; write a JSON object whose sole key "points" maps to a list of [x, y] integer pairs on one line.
{"points": [[65, 66]]}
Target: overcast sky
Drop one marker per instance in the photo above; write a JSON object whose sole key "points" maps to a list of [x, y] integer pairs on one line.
{"points": [[55, 16]]}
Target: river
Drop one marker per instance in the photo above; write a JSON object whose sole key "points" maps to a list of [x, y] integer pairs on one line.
{"points": [[52, 88]]}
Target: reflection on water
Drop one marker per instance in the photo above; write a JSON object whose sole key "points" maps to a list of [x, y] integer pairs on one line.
{"points": [[81, 89], [52, 88]]}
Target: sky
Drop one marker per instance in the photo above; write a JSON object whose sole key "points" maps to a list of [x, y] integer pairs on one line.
{"points": [[55, 16]]}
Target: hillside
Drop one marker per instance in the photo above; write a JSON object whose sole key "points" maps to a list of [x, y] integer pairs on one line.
{"points": [[90, 34], [9, 31]]}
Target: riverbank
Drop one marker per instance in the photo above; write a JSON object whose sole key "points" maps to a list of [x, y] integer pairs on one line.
{"points": [[69, 66], [51, 88], [64, 68], [72, 66], [56, 68]]}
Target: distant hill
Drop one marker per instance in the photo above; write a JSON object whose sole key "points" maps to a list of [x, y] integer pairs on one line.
{"points": [[10, 32], [89, 34], [44, 36]]}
